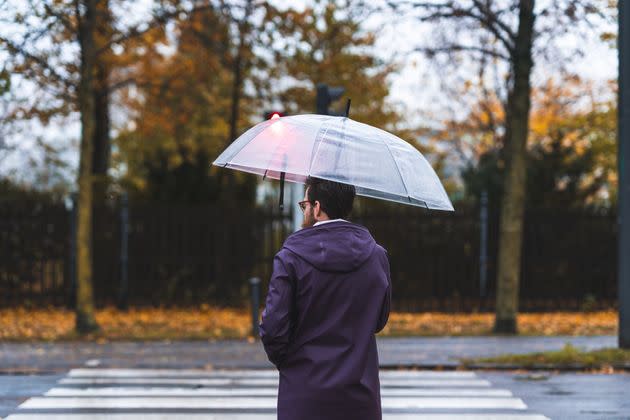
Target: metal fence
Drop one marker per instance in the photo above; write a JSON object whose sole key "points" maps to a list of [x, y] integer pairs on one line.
{"points": [[568, 261], [34, 253], [159, 254]]}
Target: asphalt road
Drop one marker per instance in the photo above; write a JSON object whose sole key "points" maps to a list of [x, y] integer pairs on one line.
{"points": [[229, 354], [551, 395], [556, 395], [569, 395]]}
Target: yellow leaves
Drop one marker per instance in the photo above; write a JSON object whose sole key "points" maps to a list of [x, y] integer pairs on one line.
{"points": [[612, 178], [560, 323], [182, 108], [576, 141], [28, 324], [209, 322], [204, 322]]}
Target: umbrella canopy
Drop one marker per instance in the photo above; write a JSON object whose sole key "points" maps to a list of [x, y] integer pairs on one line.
{"points": [[379, 164]]}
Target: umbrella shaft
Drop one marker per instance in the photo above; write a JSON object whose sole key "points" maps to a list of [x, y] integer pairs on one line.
{"points": [[282, 191]]}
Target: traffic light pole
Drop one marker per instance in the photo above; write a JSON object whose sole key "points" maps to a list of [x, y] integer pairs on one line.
{"points": [[624, 175], [325, 96], [297, 191]]}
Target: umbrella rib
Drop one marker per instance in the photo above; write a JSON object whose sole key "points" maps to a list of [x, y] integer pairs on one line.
{"points": [[320, 136], [398, 169], [243, 146]]}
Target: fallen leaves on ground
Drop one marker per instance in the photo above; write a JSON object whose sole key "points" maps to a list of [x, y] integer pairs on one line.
{"points": [[203, 322], [550, 323], [208, 322]]}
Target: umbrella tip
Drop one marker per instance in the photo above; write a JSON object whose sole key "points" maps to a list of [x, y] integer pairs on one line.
{"points": [[347, 108]]}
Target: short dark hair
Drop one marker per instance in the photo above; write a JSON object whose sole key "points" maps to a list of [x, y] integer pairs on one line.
{"points": [[334, 198]]}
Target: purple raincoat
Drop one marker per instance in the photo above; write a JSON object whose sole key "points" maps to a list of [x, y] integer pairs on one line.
{"points": [[329, 294]]}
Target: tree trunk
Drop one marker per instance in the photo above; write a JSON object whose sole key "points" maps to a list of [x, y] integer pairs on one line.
{"points": [[237, 87], [85, 320], [513, 202], [102, 143]]}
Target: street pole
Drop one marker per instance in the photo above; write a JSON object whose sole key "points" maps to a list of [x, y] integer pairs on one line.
{"points": [[324, 96], [624, 175], [297, 191], [123, 292], [72, 298], [483, 244], [255, 301]]}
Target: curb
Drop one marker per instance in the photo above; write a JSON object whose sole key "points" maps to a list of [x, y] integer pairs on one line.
{"points": [[454, 366], [571, 367]]}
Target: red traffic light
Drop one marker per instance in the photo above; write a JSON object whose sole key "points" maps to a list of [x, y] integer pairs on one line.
{"points": [[272, 115]]}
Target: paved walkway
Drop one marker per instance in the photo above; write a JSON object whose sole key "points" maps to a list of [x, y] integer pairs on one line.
{"points": [[410, 351]]}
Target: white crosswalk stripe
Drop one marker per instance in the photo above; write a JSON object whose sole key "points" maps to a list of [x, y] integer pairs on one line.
{"points": [[156, 394]]}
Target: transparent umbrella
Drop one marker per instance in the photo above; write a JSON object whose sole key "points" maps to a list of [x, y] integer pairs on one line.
{"points": [[379, 164]]}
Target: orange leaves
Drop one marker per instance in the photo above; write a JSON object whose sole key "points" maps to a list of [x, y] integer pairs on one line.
{"points": [[38, 324], [561, 323], [207, 322], [204, 322]]}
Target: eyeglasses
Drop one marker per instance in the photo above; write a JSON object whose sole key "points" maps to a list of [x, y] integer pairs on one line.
{"points": [[302, 205]]}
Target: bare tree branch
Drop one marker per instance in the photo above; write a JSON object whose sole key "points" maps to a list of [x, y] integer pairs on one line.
{"points": [[61, 17], [479, 12], [457, 47], [508, 43], [494, 17]]}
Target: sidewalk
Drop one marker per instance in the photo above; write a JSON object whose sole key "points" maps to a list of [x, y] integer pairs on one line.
{"points": [[424, 352]]}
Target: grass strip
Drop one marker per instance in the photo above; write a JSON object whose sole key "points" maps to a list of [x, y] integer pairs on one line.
{"points": [[568, 357]]}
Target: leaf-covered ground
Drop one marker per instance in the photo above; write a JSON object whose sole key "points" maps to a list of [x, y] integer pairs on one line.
{"points": [[551, 323], [207, 322]]}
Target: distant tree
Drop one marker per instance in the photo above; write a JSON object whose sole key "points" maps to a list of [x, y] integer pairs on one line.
{"points": [[5, 88], [572, 148], [12, 190], [516, 33], [326, 43], [571, 151], [255, 57], [65, 49], [570, 170], [191, 103]]}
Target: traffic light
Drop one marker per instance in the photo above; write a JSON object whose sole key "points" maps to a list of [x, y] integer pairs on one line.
{"points": [[325, 96], [273, 114]]}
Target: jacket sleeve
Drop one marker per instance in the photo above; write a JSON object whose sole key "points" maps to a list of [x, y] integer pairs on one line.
{"points": [[387, 299], [275, 327]]}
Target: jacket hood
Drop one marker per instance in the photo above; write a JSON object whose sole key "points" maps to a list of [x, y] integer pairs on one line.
{"points": [[335, 246]]}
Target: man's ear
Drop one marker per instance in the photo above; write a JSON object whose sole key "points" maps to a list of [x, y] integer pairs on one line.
{"points": [[317, 210]]}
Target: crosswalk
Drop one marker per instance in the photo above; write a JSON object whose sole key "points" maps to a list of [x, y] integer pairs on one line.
{"points": [[160, 394]]}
